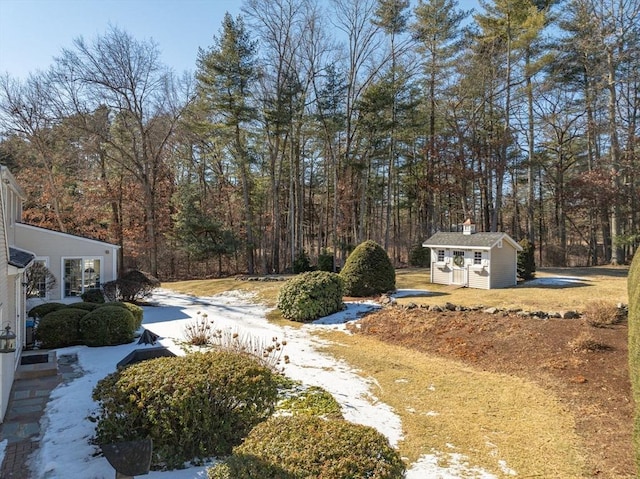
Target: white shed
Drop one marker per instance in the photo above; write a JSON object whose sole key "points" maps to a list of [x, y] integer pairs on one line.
{"points": [[474, 260]]}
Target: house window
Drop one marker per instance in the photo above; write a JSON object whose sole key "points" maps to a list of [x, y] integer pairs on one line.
{"points": [[458, 258], [39, 287], [440, 256], [80, 274], [477, 257]]}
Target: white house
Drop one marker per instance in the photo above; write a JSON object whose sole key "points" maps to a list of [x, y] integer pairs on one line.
{"points": [[77, 263], [474, 260]]}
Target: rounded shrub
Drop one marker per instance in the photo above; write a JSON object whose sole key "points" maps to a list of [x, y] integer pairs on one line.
{"points": [[60, 328], [107, 326], [83, 306], [93, 295], [311, 295], [132, 308], [42, 310], [299, 447], [368, 271], [192, 407]]}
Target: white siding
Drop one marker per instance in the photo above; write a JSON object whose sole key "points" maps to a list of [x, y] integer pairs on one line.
{"points": [[58, 246], [503, 266], [7, 360]]}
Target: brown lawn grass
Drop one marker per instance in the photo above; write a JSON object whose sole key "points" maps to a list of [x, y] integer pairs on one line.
{"points": [[487, 417], [597, 283]]}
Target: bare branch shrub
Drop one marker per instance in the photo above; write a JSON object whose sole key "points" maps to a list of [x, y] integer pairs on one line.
{"points": [[602, 313], [200, 332], [587, 343]]}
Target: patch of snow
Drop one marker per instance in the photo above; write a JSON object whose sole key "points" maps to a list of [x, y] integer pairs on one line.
{"points": [[445, 466], [65, 449], [408, 293], [556, 281], [3, 448]]}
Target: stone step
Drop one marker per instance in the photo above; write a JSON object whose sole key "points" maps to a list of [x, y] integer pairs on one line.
{"points": [[38, 369]]}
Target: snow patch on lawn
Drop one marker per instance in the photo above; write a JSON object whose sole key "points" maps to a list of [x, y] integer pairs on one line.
{"points": [[65, 449]]}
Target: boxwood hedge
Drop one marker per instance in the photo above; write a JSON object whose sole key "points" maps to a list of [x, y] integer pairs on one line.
{"points": [[107, 326], [132, 308], [311, 295], [60, 328], [301, 447], [192, 407], [42, 310]]}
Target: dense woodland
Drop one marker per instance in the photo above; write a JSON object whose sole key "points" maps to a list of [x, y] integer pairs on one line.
{"points": [[311, 126]]}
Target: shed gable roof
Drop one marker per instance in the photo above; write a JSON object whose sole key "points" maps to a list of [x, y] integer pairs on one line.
{"points": [[476, 240]]}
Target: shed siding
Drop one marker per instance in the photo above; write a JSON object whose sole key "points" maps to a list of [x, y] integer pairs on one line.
{"points": [[440, 274], [503, 266]]}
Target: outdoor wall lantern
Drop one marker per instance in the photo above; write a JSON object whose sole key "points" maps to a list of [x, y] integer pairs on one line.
{"points": [[7, 340]]}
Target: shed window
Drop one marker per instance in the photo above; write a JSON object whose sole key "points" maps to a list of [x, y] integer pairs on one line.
{"points": [[440, 255], [477, 257]]}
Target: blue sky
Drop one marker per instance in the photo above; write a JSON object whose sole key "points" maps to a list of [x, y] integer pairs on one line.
{"points": [[33, 32]]}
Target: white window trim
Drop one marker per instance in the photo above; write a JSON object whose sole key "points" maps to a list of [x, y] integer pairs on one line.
{"points": [[45, 260], [82, 259]]}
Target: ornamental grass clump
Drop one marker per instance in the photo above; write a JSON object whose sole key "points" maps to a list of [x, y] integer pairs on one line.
{"points": [[301, 447], [199, 331], [311, 295], [192, 407], [368, 271]]}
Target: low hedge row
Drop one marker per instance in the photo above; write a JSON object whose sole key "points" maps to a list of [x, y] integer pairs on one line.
{"points": [[93, 324]]}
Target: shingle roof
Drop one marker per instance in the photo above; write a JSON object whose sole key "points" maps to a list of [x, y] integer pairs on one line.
{"points": [[20, 258], [476, 240]]}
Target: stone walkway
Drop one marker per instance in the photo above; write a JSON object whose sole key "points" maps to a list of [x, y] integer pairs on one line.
{"points": [[29, 397]]}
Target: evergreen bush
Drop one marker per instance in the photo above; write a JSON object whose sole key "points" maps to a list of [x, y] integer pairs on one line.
{"points": [[107, 326], [419, 256], [302, 263], [42, 310], [633, 284], [301, 447], [60, 328], [368, 271], [311, 295], [526, 260], [93, 295], [83, 305], [134, 309], [192, 407], [326, 262]]}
